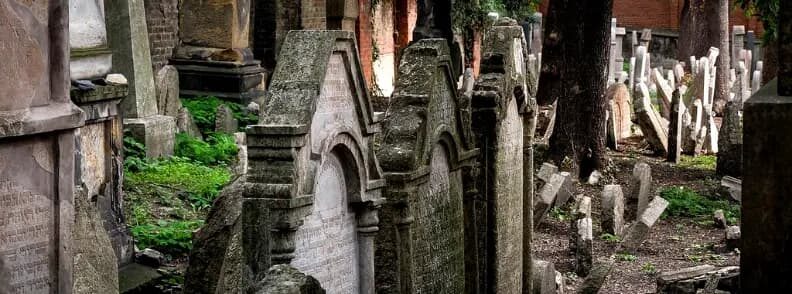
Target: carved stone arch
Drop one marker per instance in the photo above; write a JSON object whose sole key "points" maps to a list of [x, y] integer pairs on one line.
{"points": [[342, 14]]}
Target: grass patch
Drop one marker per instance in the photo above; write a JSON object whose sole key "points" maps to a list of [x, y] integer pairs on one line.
{"points": [[685, 202], [626, 257], [202, 183], [217, 149], [703, 162], [170, 237], [649, 268], [559, 213], [204, 112], [610, 238]]}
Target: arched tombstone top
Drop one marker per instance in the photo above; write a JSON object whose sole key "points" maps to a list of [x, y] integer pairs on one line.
{"points": [[504, 69], [317, 101], [425, 110]]}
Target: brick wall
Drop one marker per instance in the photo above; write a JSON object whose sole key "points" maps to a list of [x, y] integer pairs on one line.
{"points": [[313, 14], [364, 39], [162, 18]]}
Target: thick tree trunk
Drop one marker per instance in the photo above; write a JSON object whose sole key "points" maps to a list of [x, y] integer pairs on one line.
{"points": [[693, 30], [705, 24], [719, 26], [575, 56]]}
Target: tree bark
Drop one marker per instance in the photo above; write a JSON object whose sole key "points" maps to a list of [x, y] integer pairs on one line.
{"points": [[575, 56], [719, 26], [693, 28]]}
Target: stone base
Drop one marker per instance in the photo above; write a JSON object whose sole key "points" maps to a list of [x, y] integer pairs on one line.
{"points": [[225, 80], [156, 132]]}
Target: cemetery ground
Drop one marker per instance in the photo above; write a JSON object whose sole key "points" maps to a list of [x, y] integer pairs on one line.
{"points": [[685, 236]]}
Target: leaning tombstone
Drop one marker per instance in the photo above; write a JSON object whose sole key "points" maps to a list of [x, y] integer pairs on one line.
{"points": [[314, 183], [612, 217], [498, 105], [428, 162], [639, 230], [37, 145], [730, 142], [650, 123]]}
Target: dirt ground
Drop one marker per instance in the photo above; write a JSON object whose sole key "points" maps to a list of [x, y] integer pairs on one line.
{"points": [[673, 243]]}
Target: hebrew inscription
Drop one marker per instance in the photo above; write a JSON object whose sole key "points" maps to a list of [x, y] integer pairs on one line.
{"points": [[335, 108]]}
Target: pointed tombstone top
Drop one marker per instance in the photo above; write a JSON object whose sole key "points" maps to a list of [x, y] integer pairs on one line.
{"points": [[785, 49]]}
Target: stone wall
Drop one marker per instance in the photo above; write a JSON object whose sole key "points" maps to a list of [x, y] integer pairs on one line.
{"points": [[162, 18]]}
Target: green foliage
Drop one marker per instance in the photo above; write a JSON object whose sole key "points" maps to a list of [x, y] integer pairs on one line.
{"points": [[610, 238], [200, 182], [626, 257], [688, 203], [626, 67], [134, 153], [170, 237], [559, 214], [649, 268], [767, 11], [204, 112], [705, 162], [217, 149]]}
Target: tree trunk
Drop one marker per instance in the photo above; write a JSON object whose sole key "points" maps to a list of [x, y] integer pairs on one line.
{"points": [[693, 28], [719, 27], [705, 24], [575, 56], [770, 61]]}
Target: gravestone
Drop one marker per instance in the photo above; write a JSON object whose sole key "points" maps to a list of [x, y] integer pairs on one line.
{"points": [[214, 57], [765, 208], [499, 103], [737, 45], [167, 84], [612, 210], [37, 138], [428, 239], [129, 41], [622, 110], [650, 121], [314, 183], [639, 230], [675, 128]]}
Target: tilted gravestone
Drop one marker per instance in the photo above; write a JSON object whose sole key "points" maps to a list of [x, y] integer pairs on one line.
{"points": [[37, 138], [426, 244], [313, 182], [499, 101]]}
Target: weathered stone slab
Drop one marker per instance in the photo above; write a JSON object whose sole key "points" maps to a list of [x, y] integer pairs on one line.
{"points": [[596, 278], [692, 280], [612, 210], [95, 264], [156, 132], [167, 83], [566, 190], [284, 279], [675, 128], [640, 229], [733, 187], [621, 109], [730, 142], [225, 121], [186, 124], [547, 171], [584, 246], [650, 123], [640, 182], [543, 277]]}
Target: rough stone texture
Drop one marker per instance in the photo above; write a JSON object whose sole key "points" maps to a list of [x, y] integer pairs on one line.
{"points": [[730, 142], [612, 210], [584, 246], [543, 276], [719, 219], [241, 166], [547, 197], [498, 100], [185, 123], [95, 265], [596, 278], [765, 216], [566, 191], [156, 132], [547, 171], [284, 279], [219, 24], [692, 280], [90, 56], [580, 210], [733, 237], [216, 258], [311, 157], [622, 110], [649, 121], [168, 99], [640, 229], [225, 121], [733, 186], [675, 128], [641, 186], [428, 240]]}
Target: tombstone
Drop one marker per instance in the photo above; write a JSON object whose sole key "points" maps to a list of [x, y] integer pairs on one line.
{"points": [[711, 135], [429, 165], [620, 34], [284, 279], [650, 122], [315, 185], [641, 66], [750, 45], [664, 91], [612, 210], [622, 110], [499, 103], [639, 230], [536, 34], [214, 56], [756, 79], [546, 171], [737, 44], [225, 121], [631, 82], [37, 144], [129, 40], [675, 128], [765, 211], [168, 99], [640, 182], [612, 57], [581, 242]]}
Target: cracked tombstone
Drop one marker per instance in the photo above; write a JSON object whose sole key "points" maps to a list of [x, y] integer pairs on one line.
{"points": [[639, 230], [430, 177], [612, 210]]}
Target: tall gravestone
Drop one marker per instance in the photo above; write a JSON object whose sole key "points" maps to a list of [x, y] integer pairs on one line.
{"points": [[37, 137], [100, 143], [426, 244], [128, 39], [498, 104], [214, 57], [766, 221], [313, 182]]}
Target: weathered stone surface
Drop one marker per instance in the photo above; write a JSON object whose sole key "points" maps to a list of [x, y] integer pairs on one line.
{"points": [[186, 124], [547, 196], [543, 276], [640, 229], [156, 132], [225, 121], [567, 189], [621, 109], [596, 278], [733, 186], [765, 217], [216, 258], [692, 280], [284, 279], [612, 210], [641, 186], [584, 246], [733, 237], [167, 83], [95, 265], [220, 24], [150, 257], [730, 142], [546, 171], [719, 219], [649, 121], [242, 161], [675, 128], [711, 135]]}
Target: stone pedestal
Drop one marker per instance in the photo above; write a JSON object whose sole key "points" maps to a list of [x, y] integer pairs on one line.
{"points": [[226, 80], [90, 56], [128, 38], [766, 211]]}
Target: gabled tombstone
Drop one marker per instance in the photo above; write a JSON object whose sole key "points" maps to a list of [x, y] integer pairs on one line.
{"points": [[426, 244], [313, 184], [499, 103], [37, 144]]}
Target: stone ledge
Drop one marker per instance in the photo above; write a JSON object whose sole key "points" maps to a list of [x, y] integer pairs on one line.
{"points": [[42, 119]]}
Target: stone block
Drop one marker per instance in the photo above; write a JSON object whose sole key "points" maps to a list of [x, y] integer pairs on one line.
{"points": [[285, 279], [699, 279], [167, 83], [546, 171], [596, 277], [95, 264], [640, 229], [543, 277], [584, 246], [221, 24], [733, 237], [730, 142], [621, 109], [547, 196], [567, 189], [156, 132], [733, 186], [612, 210], [225, 121], [650, 121]]}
